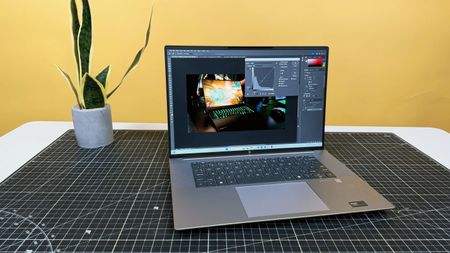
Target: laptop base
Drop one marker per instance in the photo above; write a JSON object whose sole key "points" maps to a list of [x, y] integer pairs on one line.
{"points": [[196, 207]]}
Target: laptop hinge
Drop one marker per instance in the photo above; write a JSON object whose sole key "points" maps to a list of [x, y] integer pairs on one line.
{"points": [[251, 155]]}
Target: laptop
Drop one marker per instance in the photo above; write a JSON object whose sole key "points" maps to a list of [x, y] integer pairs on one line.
{"points": [[268, 163], [225, 101]]}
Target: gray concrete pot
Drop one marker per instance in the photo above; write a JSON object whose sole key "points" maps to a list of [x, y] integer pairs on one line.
{"points": [[93, 127]]}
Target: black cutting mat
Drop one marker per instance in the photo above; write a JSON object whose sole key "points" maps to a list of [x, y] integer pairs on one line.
{"points": [[118, 199]]}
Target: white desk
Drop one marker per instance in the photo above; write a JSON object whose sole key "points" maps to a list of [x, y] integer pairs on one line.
{"points": [[24, 142]]}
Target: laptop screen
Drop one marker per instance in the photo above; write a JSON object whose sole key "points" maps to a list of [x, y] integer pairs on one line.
{"points": [[219, 93], [229, 99]]}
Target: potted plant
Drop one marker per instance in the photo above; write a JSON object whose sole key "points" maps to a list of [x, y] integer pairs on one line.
{"points": [[92, 114]]}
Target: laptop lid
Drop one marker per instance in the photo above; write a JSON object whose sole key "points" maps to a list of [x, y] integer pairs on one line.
{"points": [[221, 93], [284, 86]]}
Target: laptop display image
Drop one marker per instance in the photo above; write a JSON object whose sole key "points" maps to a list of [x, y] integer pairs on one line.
{"points": [[217, 102], [220, 93], [246, 138]]}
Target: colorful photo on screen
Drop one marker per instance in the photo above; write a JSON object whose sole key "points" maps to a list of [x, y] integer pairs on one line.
{"points": [[220, 93], [217, 103]]}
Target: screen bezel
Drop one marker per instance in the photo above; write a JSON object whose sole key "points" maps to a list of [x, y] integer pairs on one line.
{"points": [[179, 47]]}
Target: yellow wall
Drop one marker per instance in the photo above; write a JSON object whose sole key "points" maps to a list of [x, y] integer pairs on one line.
{"points": [[389, 59]]}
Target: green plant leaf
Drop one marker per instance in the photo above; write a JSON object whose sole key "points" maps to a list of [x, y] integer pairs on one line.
{"points": [[75, 31], [85, 39], [137, 58], [102, 77], [67, 77], [94, 95], [147, 35]]}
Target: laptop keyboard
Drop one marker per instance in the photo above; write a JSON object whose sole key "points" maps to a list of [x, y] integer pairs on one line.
{"points": [[259, 170], [232, 111]]}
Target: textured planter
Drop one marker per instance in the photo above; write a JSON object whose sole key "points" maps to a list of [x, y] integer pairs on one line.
{"points": [[93, 127]]}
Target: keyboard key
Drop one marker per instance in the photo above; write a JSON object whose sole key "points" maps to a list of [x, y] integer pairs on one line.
{"points": [[251, 180]]}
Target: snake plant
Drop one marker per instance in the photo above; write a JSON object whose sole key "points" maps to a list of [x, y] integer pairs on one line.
{"points": [[91, 91]]}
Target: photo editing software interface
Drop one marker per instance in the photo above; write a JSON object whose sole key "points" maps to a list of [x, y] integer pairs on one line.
{"points": [[232, 99]]}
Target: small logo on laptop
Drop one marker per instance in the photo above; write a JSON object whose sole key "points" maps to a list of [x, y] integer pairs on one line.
{"points": [[358, 203]]}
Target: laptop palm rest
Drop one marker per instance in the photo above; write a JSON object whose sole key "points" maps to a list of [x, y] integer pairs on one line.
{"points": [[279, 199]]}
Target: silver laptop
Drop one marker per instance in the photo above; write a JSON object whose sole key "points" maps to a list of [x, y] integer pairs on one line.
{"points": [[246, 138]]}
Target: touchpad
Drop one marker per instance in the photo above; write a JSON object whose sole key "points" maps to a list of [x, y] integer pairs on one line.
{"points": [[278, 199]]}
